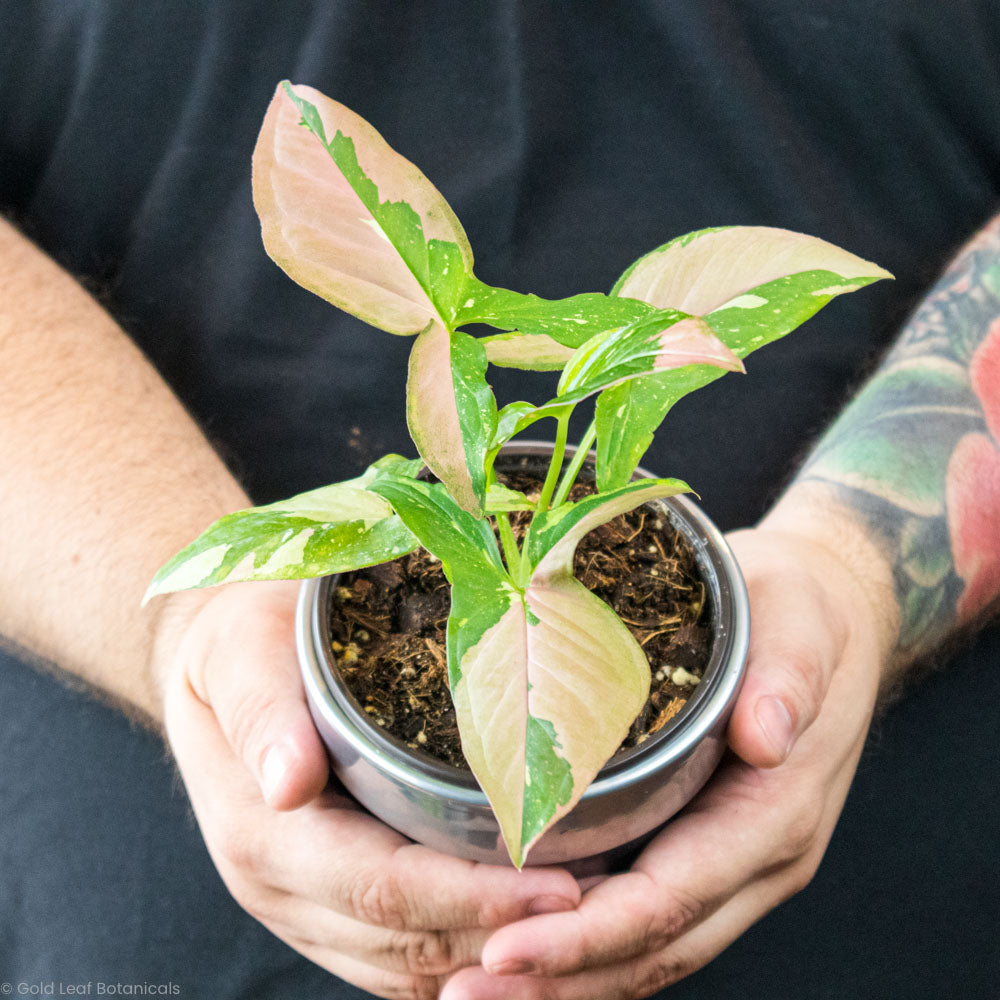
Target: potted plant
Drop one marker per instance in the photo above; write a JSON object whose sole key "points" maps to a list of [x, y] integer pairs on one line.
{"points": [[529, 648]]}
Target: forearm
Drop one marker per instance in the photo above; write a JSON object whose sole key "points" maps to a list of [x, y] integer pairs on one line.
{"points": [[913, 463], [104, 477]]}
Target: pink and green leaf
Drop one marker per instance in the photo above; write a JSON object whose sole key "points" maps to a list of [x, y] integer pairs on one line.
{"points": [[536, 352], [451, 411], [554, 534], [332, 529], [751, 284], [661, 341], [546, 679], [353, 221], [543, 698]]}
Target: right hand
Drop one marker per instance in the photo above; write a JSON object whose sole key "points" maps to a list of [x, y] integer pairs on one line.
{"points": [[354, 896]]}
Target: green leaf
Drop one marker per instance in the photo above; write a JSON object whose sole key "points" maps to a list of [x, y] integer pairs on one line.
{"points": [[751, 284], [511, 420], [468, 552], [554, 534], [501, 499], [535, 352], [353, 221], [451, 411], [662, 341], [569, 322], [332, 529]]}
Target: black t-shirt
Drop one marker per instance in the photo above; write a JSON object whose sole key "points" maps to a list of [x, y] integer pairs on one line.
{"points": [[570, 138]]}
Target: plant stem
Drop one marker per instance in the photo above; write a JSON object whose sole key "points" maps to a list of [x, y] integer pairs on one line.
{"points": [[558, 454], [569, 476], [510, 550]]}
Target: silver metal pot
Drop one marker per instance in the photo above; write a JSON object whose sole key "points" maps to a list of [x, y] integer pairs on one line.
{"points": [[633, 795]]}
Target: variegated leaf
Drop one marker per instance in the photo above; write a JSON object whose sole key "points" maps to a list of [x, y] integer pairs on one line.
{"points": [[332, 529], [501, 499], [512, 419], [543, 698], [451, 411], [353, 221], [546, 679], [535, 352], [662, 341], [554, 534], [570, 321], [752, 284], [468, 552]]}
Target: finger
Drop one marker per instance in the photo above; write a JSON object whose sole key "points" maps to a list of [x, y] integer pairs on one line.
{"points": [[387, 881], [630, 979], [343, 859], [250, 678], [380, 982], [795, 644], [417, 953]]}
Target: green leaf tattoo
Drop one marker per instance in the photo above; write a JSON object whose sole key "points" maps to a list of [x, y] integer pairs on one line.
{"points": [[917, 453]]}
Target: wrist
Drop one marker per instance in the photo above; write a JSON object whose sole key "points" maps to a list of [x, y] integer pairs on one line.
{"points": [[812, 512]]}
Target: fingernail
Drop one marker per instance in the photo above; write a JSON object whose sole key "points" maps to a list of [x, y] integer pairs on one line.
{"points": [[550, 904], [278, 760], [776, 722], [512, 967]]}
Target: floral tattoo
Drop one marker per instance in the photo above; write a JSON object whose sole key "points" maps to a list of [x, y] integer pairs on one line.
{"points": [[917, 452]]}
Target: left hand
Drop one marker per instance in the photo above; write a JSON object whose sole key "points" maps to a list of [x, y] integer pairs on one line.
{"points": [[755, 835]]}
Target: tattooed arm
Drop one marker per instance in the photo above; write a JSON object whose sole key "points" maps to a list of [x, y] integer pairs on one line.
{"points": [[916, 455]]}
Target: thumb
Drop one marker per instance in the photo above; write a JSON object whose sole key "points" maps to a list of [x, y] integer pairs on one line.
{"points": [[250, 679], [795, 644]]}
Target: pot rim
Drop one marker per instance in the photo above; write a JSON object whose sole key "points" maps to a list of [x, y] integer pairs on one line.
{"points": [[713, 696]]}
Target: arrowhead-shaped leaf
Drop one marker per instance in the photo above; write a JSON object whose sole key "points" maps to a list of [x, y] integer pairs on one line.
{"points": [[451, 411], [328, 530], [353, 221], [662, 341], [546, 679], [752, 285]]}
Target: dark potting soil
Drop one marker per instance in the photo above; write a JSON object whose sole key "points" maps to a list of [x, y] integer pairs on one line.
{"points": [[388, 626]]}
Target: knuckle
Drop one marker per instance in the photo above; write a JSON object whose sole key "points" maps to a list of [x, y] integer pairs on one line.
{"points": [[428, 953], [658, 973], [681, 912], [237, 847], [402, 987], [378, 900], [801, 832], [803, 681], [801, 875]]}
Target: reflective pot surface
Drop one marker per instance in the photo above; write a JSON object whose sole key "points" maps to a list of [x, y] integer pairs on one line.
{"points": [[634, 793]]}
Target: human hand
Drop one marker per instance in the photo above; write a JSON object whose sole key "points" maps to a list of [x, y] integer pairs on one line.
{"points": [[347, 892], [756, 834]]}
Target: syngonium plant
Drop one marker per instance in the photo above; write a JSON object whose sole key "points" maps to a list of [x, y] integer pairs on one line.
{"points": [[545, 678]]}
